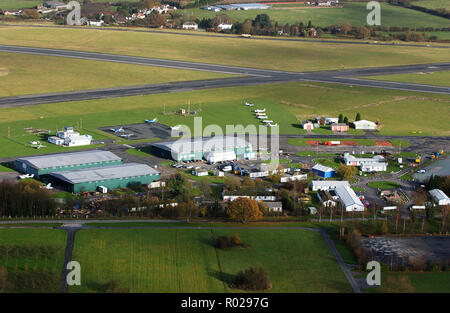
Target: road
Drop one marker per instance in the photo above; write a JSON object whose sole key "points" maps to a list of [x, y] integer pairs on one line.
{"points": [[247, 76]]}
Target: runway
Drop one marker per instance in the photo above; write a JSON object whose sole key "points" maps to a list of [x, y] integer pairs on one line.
{"points": [[246, 76]]}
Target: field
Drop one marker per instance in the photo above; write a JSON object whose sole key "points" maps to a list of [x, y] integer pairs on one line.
{"points": [[280, 55], [433, 4], [35, 262], [286, 104], [354, 13], [29, 74], [436, 78], [425, 282], [382, 185], [161, 260], [18, 4]]}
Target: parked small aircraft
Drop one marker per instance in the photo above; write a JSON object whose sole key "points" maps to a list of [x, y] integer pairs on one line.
{"points": [[26, 176], [262, 117], [152, 121], [267, 121], [49, 186], [260, 111], [117, 130], [249, 104], [272, 125]]}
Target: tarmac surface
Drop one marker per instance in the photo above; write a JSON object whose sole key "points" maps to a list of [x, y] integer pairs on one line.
{"points": [[247, 76]]}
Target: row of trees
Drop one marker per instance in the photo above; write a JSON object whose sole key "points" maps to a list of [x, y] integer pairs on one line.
{"points": [[25, 199]]}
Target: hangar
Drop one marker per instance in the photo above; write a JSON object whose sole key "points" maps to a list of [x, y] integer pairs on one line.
{"points": [[45, 164], [214, 149], [114, 176]]}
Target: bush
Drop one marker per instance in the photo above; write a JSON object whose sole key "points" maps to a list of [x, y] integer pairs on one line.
{"points": [[254, 278], [224, 242]]}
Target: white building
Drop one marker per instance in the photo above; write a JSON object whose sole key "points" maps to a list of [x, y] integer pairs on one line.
{"points": [[364, 124], [354, 161], [308, 125], [373, 167], [200, 173], [190, 25], [293, 177], [331, 120], [270, 198], [328, 184], [69, 137], [225, 26], [219, 173], [439, 197], [349, 199], [274, 206], [219, 156], [96, 23]]}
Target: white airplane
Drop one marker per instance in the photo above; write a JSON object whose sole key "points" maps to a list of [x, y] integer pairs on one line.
{"points": [[151, 121], [39, 146], [26, 176], [49, 186], [35, 142], [117, 130], [249, 104], [267, 121], [262, 117], [272, 125], [260, 114], [260, 111]]}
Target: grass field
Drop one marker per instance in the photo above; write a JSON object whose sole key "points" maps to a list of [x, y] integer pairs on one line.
{"points": [[354, 13], [436, 78], [32, 267], [302, 141], [282, 55], [286, 104], [382, 185], [433, 4], [18, 4], [161, 260], [29, 74], [422, 282]]}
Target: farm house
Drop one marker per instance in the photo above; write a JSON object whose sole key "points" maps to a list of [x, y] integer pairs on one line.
{"points": [[349, 199]]}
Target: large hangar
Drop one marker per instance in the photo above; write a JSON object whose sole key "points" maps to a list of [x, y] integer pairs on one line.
{"points": [[115, 176], [214, 149], [45, 164]]}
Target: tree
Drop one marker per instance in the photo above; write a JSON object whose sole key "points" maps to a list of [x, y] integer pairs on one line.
{"points": [[31, 13], [345, 120], [346, 171], [341, 118], [220, 19], [157, 20], [232, 183], [346, 28], [247, 26], [358, 116], [263, 20], [244, 210], [254, 278], [363, 32]]}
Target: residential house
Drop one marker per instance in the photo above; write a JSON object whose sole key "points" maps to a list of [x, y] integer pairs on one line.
{"points": [[190, 25], [339, 127]]}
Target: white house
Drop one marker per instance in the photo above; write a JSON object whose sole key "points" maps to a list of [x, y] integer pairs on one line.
{"points": [[96, 23], [293, 177], [308, 125], [200, 173], [373, 167], [190, 25], [349, 200], [274, 206], [439, 197], [81, 140], [328, 184], [225, 26], [69, 137], [364, 124]]}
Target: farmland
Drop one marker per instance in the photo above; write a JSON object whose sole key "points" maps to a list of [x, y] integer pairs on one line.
{"points": [[161, 260], [33, 259], [353, 13], [29, 74], [287, 104], [422, 282], [436, 78], [279, 55], [433, 4]]}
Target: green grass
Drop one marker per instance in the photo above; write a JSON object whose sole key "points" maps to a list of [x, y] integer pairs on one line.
{"points": [[382, 185], [137, 152], [280, 55], [346, 252], [333, 163], [18, 4], [29, 74], [359, 189], [354, 13], [44, 270], [224, 106], [432, 78], [433, 4], [162, 260], [423, 282], [400, 143], [4, 168], [302, 141], [406, 176]]}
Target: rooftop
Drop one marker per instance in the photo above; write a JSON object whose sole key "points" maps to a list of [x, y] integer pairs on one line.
{"points": [[71, 158], [322, 168], [216, 143], [347, 196], [330, 183], [105, 173], [438, 194]]}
